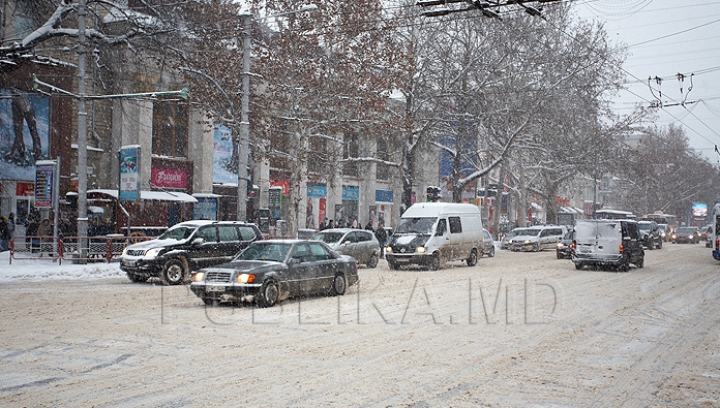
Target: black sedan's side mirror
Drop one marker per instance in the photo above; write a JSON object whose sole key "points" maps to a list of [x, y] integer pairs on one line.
{"points": [[198, 241]]}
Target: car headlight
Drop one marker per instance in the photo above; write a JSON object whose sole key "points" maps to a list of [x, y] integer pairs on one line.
{"points": [[198, 276], [246, 278], [152, 253], [124, 252], [690, 237], [420, 250], [527, 241], [388, 250], [560, 245]]}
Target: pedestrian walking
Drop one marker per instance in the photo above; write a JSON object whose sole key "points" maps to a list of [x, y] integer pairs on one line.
{"points": [[381, 236], [4, 234]]}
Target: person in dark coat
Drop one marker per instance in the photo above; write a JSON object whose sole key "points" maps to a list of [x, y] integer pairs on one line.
{"points": [[381, 236]]}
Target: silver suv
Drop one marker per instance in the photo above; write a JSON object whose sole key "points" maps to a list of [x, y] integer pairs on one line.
{"points": [[360, 244], [186, 247], [650, 234]]}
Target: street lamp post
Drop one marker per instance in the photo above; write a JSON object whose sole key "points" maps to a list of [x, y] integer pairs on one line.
{"points": [[243, 139]]}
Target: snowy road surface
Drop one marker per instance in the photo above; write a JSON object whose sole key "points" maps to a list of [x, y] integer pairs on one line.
{"points": [[517, 330]]}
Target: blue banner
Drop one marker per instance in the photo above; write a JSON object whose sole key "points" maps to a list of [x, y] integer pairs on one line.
{"points": [[384, 196], [205, 209], [351, 193], [316, 191]]}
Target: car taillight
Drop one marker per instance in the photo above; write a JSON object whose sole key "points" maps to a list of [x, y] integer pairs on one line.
{"points": [[622, 248], [717, 244], [572, 247]]}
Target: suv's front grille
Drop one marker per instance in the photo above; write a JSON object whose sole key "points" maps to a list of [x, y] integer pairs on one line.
{"points": [[218, 277], [135, 252]]}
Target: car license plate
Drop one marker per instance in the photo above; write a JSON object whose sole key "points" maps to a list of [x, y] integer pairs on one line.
{"points": [[130, 263], [584, 250], [214, 288]]}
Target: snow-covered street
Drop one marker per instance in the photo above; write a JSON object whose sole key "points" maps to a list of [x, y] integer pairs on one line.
{"points": [[520, 329]]}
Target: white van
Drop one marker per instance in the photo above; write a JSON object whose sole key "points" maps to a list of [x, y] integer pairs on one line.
{"points": [[434, 233]]}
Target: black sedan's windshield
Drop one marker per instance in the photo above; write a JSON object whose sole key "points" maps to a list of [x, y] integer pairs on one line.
{"points": [[265, 251]]}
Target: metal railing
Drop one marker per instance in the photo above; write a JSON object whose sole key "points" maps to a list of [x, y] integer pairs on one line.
{"points": [[106, 248]]}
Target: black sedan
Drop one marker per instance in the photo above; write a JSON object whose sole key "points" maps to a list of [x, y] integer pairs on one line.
{"points": [[267, 272]]}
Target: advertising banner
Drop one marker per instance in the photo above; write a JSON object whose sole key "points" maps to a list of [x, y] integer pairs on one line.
{"points": [[167, 178], [44, 184], [24, 132], [205, 209], [129, 173]]}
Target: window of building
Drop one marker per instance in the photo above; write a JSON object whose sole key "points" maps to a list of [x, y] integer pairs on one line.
{"points": [[170, 128], [383, 153], [351, 149]]}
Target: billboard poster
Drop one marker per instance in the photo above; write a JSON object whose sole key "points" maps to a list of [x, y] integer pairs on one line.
{"points": [[44, 184], [223, 169], [699, 210], [24, 132], [129, 173], [206, 208]]}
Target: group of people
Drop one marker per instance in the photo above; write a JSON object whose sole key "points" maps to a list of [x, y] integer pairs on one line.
{"points": [[379, 232], [328, 223]]}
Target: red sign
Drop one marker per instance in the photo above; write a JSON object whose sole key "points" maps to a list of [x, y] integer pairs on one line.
{"points": [[25, 189], [285, 184], [169, 178]]}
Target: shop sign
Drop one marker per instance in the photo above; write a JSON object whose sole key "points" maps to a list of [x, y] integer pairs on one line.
{"points": [[168, 178], [316, 191]]}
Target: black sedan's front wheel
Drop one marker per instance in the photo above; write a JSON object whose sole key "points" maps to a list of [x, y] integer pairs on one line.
{"points": [[269, 294]]}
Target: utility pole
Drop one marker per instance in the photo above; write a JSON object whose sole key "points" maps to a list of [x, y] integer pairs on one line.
{"points": [[82, 220], [243, 140]]}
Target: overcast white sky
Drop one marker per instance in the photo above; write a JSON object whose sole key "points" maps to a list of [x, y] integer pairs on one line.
{"points": [[667, 37]]}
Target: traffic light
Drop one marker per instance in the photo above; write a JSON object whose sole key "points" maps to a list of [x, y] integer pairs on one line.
{"points": [[433, 194]]}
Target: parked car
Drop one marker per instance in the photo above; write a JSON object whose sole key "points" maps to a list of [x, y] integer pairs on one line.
{"points": [[505, 241], [650, 234], [537, 238], [360, 244], [267, 272], [488, 244], [690, 235], [563, 250], [613, 243], [186, 247]]}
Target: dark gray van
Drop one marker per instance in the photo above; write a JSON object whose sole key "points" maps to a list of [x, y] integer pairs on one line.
{"points": [[614, 243]]}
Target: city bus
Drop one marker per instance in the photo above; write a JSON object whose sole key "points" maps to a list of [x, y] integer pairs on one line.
{"points": [[662, 218], [614, 215]]}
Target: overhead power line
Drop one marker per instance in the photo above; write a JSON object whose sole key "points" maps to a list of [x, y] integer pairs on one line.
{"points": [[486, 7]]}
